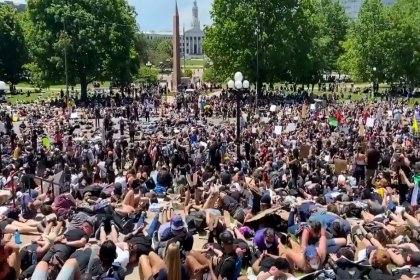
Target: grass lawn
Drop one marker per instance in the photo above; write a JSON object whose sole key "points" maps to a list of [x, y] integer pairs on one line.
{"points": [[54, 90], [193, 62]]}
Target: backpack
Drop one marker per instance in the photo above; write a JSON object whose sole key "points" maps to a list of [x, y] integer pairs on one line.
{"points": [[111, 274], [63, 205]]}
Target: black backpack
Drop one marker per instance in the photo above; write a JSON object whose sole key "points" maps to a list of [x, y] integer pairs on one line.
{"points": [[111, 274]]}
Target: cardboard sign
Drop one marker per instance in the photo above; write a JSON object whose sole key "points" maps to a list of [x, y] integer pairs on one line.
{"points": [[273, 108], [304, 151], [340, 165], [74, 115], [278, 130], [344, 130], [291, 127], [370, 122], [304, 111], [362, 131]]}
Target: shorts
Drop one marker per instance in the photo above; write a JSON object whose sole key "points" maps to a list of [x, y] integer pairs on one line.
{"points": [[5, 223]]}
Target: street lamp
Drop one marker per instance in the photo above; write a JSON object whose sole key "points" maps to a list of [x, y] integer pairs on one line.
{"points": [[374, 81], [239, 84]]}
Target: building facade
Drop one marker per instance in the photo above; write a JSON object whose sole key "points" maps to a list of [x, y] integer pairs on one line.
{"points": [[191, 40], [353, 7]]}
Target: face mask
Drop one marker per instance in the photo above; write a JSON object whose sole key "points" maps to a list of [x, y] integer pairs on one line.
{"points": [[268, 245], [314, 266]]}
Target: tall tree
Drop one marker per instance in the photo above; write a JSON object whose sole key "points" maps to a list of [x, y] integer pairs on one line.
{"points": [[402, 42], [365, 48], [98, 37], [231, 41], [12, 44], [332, 25]]}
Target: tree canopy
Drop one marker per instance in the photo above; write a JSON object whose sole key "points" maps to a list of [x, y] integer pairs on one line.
{"points": [[148, 75], [383, 43], [12, 44], [98, 36], [297, 40]]}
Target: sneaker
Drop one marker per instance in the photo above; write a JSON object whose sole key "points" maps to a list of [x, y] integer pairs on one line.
{"points": [[155, 241]]}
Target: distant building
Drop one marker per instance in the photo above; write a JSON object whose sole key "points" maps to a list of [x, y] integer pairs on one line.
{"points": [[191, 41], [19, 7], [353, 7]]}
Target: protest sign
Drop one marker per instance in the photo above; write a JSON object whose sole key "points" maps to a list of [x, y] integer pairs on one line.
{"points": [[340, 165], [304, 151], [304, 111], [370, 122], [291, 127], [273, 108], [277, 130], [333, 122]]}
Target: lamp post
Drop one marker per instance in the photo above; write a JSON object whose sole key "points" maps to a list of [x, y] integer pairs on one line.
{"points": [[239, 84], [374, 81]]}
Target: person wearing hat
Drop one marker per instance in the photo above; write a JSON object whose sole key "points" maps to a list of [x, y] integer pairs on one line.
{"points": [[225, 265], [266, 240]]}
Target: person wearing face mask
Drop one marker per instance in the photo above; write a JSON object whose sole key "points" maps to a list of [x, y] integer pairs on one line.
{"points": [[306, 259], [267, 240]]}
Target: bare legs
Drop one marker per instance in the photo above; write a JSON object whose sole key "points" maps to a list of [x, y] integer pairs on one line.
{"points": [[150, 265]]}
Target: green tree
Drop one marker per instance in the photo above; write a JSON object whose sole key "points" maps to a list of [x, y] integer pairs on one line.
{"points": [[159, 51], [401, 40], [148, 75], [98, 38], [285, 31], [12, 45], [188, 73], [365, 47], [332, 25], [210, 76]]}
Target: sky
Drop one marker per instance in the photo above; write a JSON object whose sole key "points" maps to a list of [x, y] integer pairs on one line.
{"points": [[156, 15]]}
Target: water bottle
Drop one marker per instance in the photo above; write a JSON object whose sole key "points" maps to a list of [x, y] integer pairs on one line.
{"points": [[17, 237], [34, 257]]}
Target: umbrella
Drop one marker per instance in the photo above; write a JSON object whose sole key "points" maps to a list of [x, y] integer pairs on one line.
{"points": [[207, 107]]}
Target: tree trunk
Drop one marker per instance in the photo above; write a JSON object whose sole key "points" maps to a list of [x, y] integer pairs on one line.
{"points": [[83, 87]]}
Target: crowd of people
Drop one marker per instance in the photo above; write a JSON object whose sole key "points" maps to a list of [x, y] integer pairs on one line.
{"points": [[319, 188]]}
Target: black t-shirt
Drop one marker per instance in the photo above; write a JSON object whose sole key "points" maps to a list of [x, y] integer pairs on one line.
{"points": [[230, 204], [11, 275], [143, 244], [226, 266], [163, 274], [372, 158], [75, 234]]}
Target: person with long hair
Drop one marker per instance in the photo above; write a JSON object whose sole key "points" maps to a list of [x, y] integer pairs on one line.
{"points": [[171, 268]]}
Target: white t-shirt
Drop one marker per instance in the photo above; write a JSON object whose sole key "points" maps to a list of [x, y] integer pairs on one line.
{"points": [[122, 181], [123, 257]]}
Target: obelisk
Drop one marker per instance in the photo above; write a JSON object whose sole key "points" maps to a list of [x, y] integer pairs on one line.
{"points": [[176, 75]]}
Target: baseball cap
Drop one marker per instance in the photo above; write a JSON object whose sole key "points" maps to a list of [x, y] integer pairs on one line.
{"points": [[199, 218], [266, 199], [226, 237], [177, 223]]}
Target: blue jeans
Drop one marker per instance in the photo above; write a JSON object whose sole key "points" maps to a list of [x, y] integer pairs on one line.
{"points": [[154, 225]]}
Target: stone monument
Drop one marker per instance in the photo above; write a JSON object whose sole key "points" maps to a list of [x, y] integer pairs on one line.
{"points": [[176, 72]]}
